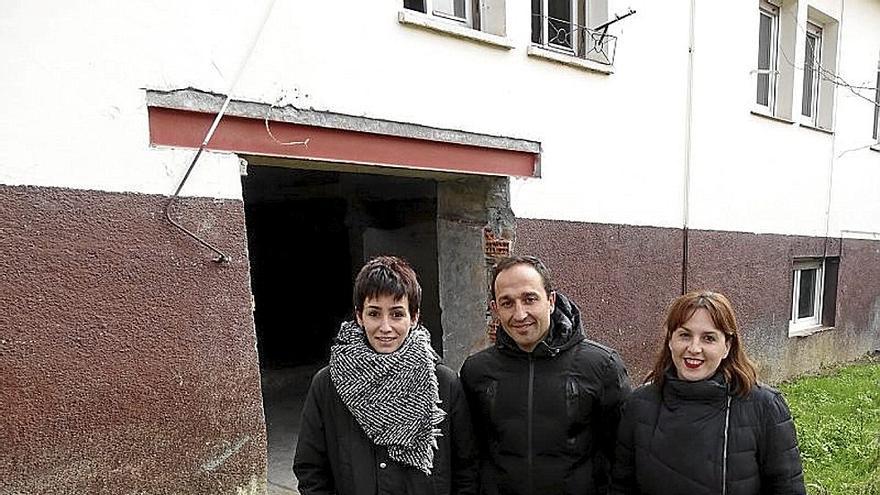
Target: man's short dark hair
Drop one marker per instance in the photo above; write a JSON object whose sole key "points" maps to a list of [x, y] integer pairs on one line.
{"points": [[387, 275], [532, 261]]}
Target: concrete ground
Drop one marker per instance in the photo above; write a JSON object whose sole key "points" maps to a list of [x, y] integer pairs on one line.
{"points": [[283, 393]]}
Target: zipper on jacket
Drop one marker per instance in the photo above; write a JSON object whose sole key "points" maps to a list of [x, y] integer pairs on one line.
{"points": [[529, 454], [724, 464]]}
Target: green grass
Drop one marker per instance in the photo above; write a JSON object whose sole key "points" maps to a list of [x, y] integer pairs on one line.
{"points": [[838, 424]]}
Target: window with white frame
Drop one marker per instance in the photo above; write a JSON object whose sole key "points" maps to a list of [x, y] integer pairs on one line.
{"points": [[574, 27], [768, 59], [460, 11], [781, 40], [555, 22], [813, 294], [807, 284], [812, 72], [821, 34], [488, 16]]}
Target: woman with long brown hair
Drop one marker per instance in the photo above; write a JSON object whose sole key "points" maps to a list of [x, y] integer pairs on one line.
{"points": [[702, 424]]}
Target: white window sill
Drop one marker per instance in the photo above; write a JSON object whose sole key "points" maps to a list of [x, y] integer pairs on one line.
{"points": [[420, 20], [570, 60], [760, 112], [806, 331], [814, 128]]}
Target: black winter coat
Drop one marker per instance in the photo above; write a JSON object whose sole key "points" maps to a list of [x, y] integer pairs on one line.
{"points": [[673, 442], [334, 455], [545, 421]]}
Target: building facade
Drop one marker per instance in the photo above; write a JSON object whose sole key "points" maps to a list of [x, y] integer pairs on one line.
{"points": [[640, 148]]}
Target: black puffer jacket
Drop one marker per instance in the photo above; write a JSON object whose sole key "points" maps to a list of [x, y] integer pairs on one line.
{"points": [[334, 456], [545, 420], [673, 442]]}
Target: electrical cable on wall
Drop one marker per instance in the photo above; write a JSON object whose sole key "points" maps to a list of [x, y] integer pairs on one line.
{"points": [[836, 80], [688, 148], [824, 73], [831, 77], [304, 142], [221, 256]]}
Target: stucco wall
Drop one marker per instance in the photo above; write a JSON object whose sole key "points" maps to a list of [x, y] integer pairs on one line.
{"points": [[624, 277], [127, 356], [613, 152], [614, 146]]}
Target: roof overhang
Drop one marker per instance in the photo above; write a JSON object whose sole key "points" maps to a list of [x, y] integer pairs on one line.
{"points": [[182, 119]]}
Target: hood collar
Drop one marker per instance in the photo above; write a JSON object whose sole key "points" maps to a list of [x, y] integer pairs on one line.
{"points": [[566, 330]]}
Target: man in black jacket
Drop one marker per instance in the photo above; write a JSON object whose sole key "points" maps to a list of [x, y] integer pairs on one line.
{"points": [[545, 400]]}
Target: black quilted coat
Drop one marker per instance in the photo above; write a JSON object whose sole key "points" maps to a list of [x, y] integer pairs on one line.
{"points": [[673, 442], [545, 420], [335, 457]]}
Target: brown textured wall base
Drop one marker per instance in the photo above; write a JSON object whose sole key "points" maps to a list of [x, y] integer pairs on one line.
{"points": [[623, 277], [127, 357]]}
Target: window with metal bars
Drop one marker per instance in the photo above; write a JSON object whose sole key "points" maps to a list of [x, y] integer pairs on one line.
{"points": [[566, 26]]}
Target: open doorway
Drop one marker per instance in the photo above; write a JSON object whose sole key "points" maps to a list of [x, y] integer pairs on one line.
{"points": [[309, 232]]}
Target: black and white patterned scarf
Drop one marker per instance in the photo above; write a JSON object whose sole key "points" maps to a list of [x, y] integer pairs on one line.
{"points": [[394, 397]]}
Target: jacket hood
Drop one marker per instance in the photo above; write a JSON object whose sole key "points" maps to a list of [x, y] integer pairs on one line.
{"points": [[566, 330]]}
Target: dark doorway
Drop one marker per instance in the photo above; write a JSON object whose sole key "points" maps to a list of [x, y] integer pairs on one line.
{"points": [[309, 232], [300, 264]]}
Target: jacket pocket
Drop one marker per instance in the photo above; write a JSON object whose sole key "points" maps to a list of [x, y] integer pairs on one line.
{"points": [[571, 399], [490, 398], [579, 411]]}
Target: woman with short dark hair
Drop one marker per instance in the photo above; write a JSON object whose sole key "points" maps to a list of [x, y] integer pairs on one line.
{"points": [[702, 424], [384, 416]]}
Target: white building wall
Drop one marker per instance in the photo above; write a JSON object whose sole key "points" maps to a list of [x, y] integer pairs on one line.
{"points": [[758, 175], [72, 92], [856, 180], [749, 173], [613, 145]]}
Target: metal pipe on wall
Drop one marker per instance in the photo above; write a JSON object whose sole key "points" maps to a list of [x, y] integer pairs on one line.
{"points": [[689, 111]]}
